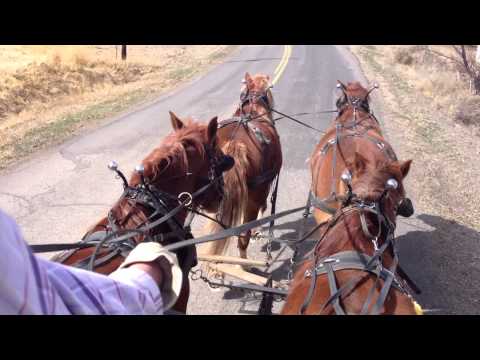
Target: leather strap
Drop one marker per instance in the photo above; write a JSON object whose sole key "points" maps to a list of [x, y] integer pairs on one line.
{"points": [[321, 204], [332, 283]]}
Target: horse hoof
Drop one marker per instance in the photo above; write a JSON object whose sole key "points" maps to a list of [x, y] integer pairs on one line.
{"points": [[257, 236]]}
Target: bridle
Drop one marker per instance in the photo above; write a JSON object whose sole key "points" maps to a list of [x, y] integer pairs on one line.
{"points": [[252, 97], [356, 103], [359, 261], [351, 130], [163, 206]]}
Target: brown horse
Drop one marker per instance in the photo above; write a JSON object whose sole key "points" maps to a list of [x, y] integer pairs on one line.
{"points": [[354, 130], [251, 138], [187, 160], [346, 246]]}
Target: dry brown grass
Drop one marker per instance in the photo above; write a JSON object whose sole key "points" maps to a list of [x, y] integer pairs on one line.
{"points": [[426, 103], [430, 73], [47, 87]]}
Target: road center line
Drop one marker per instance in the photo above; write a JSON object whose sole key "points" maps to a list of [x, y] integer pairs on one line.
{"points": [[283, 64]]}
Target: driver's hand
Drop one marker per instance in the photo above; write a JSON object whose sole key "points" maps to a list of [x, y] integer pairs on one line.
{"points": [[162, 265]]}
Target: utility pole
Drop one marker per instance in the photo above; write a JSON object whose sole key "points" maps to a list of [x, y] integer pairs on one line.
{"points": [[124, 52]]}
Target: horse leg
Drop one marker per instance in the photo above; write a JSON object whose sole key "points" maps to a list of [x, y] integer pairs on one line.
{"points": [[251, 214], [182, 301]]}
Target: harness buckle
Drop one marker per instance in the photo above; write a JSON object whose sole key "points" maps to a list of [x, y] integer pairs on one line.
{"points": [[188, 197]]}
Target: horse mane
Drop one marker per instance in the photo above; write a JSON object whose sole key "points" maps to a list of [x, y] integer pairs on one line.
{"points": [[172, 152]]}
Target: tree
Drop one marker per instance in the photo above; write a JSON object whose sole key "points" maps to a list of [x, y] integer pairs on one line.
{"points": [[470, 66], [124, 52]]}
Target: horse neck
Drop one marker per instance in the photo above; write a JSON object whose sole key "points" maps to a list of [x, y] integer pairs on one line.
{"points": [[256, 110], [362, 118]]}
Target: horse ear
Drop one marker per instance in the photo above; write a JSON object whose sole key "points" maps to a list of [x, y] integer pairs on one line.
{"points": [[405, 167], [342, 85], [212, 130], [177, 124]]}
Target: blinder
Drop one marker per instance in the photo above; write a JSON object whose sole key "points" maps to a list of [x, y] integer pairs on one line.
{"points": [[218, 165], [226, 163], [356, 102], [405, 208], [246, 96]]}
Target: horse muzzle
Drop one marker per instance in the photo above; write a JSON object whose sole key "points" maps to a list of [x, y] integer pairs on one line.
{"points": [[405, 208]]}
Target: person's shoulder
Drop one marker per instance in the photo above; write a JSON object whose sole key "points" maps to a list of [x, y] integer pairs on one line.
{"points": [[7, 222]]}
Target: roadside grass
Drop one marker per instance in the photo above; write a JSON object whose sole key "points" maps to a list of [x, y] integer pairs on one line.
{"points": [[54, 92], [62, 128], [422, 97]]}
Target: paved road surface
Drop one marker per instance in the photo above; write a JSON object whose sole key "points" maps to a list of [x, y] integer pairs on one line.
{"points": [[57, 195]]}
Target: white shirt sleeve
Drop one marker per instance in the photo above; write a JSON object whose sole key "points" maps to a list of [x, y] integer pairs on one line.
{"points": [[32, 285]]}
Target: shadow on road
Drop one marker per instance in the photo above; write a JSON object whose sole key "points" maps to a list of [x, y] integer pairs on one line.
{"points": [[445, 264], [290, 230], [443, 258]]}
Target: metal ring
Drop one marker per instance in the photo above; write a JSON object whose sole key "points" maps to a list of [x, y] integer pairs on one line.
{"points": [[195, 274], [189, 197]]}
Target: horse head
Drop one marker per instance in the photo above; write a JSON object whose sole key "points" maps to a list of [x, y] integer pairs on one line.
{"points": [[188, 160], [354, 95], [380, 183], [256, 91]]}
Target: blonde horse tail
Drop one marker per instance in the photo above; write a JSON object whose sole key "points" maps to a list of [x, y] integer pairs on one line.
{"points": [[234, 204]]}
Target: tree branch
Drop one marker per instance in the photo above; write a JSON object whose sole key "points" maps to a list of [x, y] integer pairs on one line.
{"points": [[445, 56]]}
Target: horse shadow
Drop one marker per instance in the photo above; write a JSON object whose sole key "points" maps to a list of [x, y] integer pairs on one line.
{"points": [[443, 260], [445, 264]]}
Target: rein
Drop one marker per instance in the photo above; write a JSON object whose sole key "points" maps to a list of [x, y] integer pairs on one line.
{"points": [[147, 195], [121, 236]]}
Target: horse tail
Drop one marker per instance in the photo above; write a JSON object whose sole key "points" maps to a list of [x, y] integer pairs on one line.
{"points": [[234, 204]]}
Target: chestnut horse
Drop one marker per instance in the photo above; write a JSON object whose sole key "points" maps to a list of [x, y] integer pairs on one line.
{"points": [[251, 138], [187, 160], [351, 271], [354, 130]]}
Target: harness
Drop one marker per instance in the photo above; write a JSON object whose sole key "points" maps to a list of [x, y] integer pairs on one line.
{"points": [[323, 204], [246, 121], [163, 207], [354, 260]]}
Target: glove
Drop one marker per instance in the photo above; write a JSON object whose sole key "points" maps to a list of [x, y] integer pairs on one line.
{"points": [[152, 251]]}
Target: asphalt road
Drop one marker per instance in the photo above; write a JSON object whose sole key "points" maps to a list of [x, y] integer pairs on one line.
{"points": [[58, 194]]}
